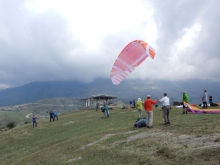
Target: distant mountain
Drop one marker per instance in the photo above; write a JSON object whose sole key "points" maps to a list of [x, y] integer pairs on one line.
{"points": [[128, 89]]}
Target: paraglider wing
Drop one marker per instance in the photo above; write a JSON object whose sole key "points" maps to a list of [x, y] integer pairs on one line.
{"points": [[129, 58]]}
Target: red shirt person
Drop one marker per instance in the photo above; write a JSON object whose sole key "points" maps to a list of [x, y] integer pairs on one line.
{"points": [[148, 106]]}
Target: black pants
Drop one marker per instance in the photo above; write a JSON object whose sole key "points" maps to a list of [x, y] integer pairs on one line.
{"points": [[51, 117], [34, 124], [55, 117], [205, 105]]}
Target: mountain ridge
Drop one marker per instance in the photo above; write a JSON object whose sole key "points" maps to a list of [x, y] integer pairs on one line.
{"points": [[127, 90]]}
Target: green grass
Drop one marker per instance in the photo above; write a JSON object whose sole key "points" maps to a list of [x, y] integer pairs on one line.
{"points": [[83, 137], [12, 116]]}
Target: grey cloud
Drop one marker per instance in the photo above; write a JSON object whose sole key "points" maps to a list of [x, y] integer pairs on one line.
{"points": [[173, 17], [40, 47], [36, 48]]}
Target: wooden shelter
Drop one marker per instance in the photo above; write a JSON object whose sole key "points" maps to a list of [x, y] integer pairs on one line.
{"points": [[97, 100]]}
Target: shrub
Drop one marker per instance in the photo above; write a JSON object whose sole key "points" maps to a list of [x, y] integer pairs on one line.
{"points": [[11, 125]]}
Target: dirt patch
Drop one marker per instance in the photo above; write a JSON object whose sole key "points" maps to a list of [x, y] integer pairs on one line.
{"points": [[130, 132], [193, 141], [106, 137], [70, 122], [95, 142], [147, 134], [189, 142], [74, 159], [183, 143], [28, 115], [134, 111]]}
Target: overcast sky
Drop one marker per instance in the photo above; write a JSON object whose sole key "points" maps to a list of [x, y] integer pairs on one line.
{"points": [[44, 40]]}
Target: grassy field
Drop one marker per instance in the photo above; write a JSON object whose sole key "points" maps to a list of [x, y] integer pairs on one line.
{"points": [[41, 108], [12, 116], [84, 138]]}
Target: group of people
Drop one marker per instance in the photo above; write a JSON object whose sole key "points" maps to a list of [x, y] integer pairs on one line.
{"points": [[206, 99], [53, 115], [148, 107], [132, 103]]}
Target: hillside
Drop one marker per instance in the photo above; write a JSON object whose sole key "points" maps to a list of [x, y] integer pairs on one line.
{"points": [[83, 137], [18, 113], [128, 89]]}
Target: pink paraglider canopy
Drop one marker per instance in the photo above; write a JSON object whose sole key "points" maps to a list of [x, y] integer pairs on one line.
{"points": [[129, 58]]}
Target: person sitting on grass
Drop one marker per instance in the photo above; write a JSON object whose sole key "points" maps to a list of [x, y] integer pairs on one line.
{"points": [[123, 107], [212, 104]]}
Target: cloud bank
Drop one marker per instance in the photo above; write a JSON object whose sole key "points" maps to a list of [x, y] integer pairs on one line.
{"points": [[44, 40]]}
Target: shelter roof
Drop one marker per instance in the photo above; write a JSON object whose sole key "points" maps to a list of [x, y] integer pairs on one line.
{"points": [[101, 96]]}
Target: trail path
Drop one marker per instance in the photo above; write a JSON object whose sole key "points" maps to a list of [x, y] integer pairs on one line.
{"points": [[27, 116]]}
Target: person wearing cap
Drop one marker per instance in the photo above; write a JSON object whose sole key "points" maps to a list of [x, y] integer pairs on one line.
{"points": [[149, 109], [186, 100], [166, 109], [139, 106]]}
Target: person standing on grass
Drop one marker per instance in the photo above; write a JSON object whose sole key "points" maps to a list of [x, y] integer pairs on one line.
{"points": [[34, 120], [97, 106], [149, 109], [205, 99], [51, 115], [186, 100], [130, 104], [139, 106], [105, 110], [134, 103], [55, 115], [166, 109]]}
